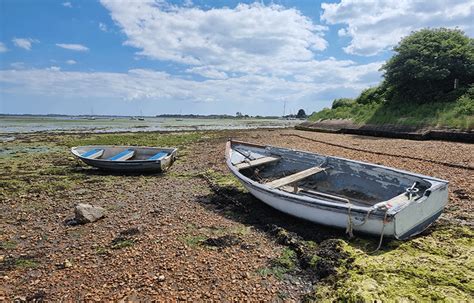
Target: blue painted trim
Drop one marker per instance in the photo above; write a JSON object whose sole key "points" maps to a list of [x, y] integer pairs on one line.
{"points": [[120, 155], [158, 156], [91, 152]]}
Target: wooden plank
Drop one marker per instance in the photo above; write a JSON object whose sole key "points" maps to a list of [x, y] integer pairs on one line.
{"points": [[295, 177], [256, 162], [123, 156]]}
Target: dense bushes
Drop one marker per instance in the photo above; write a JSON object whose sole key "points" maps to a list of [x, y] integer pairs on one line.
{"points": [[418, 86], [372, 95], [343, 102], [426, 64]]}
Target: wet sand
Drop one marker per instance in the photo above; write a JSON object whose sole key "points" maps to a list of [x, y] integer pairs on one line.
{"points": [[194, 234]]}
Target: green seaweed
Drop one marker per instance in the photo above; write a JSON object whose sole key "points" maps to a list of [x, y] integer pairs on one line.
{"points": [[283, 264], [222, 180], [26, 263], [123, 243], [7, 245], [137, 139], [438, 266]]}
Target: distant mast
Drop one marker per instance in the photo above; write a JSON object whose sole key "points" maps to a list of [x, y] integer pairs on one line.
{"points": [[91, 117], [284, 109]]}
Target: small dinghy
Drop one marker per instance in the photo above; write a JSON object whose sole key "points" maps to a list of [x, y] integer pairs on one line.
{"points": [[126, 158], [338, 192]]}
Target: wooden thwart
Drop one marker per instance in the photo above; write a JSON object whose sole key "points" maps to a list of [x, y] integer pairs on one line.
{"points": [[256, 162], [295, 177]]}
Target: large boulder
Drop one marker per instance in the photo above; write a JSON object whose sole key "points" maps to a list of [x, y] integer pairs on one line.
{"points": [[86, 213]]}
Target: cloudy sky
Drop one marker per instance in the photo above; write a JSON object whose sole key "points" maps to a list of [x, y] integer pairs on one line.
{"points": [[159, 56]]}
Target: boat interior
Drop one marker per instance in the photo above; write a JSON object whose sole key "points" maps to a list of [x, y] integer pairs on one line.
{"points": [[122, 153], [327, 178]]}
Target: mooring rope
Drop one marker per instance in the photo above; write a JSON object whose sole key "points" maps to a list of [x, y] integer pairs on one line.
{"points": [[382, 153], [381, 232], [351, 224]]}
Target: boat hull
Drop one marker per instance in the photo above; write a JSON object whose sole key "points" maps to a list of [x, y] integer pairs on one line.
{"points": [[406, 222], [129, 166]]}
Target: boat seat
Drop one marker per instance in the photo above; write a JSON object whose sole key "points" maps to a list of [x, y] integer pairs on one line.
{"points": [[123, 156], [295, 177], [158, 156], [93, 153], [256, 162]]}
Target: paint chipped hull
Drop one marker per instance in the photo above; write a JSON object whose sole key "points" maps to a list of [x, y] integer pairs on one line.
{"points": [[373, 196], [139, 163]]}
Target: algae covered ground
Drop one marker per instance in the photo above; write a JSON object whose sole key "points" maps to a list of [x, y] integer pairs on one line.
{"points": [[194, 233]]}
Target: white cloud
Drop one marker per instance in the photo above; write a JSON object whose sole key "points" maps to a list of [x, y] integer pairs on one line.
{"points": [[188, 3], [247, 54], [24, 43], [3, 48], [17, 65], [71, 62], [67, 4], [249, 39], [74, 47], [375, 26], [333, 78], [103, 27], [54, 68]]}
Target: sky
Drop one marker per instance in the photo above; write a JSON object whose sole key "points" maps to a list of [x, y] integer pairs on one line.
{"points": [[151, 57]]}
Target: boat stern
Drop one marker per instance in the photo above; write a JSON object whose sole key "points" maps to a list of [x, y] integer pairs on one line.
{"points": [[420, 214]]}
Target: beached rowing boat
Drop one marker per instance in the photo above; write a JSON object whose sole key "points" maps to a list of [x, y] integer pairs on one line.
{"points": [[126, 158], [339, 192]]}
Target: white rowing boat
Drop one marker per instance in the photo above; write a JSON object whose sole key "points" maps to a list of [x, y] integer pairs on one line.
{"points": [[126, 158], [338, 192]]}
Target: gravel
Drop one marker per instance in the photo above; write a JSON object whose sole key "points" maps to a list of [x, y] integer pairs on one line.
{"points": [[157, 224]]}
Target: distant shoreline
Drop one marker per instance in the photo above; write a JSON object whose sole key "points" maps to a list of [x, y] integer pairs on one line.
{"points": [[15, 125], [184, 116]]}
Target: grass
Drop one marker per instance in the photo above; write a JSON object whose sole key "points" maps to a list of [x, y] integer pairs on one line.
{"points": [[458, 114]]}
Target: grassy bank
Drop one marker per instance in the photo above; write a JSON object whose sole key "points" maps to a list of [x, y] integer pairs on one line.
{"points": [[458, 114]]}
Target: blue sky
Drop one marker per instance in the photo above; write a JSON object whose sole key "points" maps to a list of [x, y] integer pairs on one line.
{"points": [[158, 56]]}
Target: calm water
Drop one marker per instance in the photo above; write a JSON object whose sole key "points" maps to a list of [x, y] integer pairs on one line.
{"points": [[11, 125]]}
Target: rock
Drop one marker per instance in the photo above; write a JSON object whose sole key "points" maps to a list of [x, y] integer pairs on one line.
{"points": [[63, 265], [67, 264], [86, 213]]}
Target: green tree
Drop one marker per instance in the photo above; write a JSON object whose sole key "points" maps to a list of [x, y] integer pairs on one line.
{"points": [[301, 114], [426, 64]]}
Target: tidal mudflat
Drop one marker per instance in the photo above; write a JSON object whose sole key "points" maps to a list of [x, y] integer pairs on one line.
{"points": [[78, 124], [194, 234]]}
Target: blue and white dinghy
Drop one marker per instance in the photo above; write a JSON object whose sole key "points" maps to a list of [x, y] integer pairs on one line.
{"points": [[126, 158], [338, 192]]}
